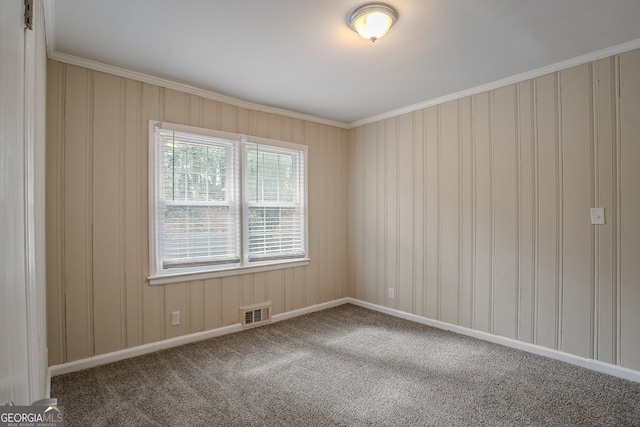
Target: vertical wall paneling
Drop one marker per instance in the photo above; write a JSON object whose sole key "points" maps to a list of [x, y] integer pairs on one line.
{"points": [[417, 298], [153, 307], [605, 187], [505, 198], [106, 219], [595, 201], [295, 132], [629, 210], [392, 207], [560, 211], [210, 114], [342, 255], [324, 220], [369, 212], [275, 290], [449, 144], [483, 212], [175, 299], [194, 115], [195, 307], [299, 276], [228, 118], [78, 281], [404, 286], [351, 218], [466, 238], [289, 286], [358, 224], [260, 287], [381, 213], [315, 206], [98, 298], [131, 231], [316, 212], [54, 217], [526, 221], [212, 303], [577, 231], [475, 211], [536, 204], [246, 281], [547, 274], [330, 279], [231, 293], [431, 293]]}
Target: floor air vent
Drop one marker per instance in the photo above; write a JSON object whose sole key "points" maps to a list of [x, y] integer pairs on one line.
{"points": [[255, 315]]}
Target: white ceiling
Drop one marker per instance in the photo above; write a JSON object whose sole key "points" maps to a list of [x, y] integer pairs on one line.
{"points": [[300, 55]]}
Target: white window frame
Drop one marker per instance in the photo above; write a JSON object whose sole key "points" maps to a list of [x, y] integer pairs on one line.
{"points": [[158, 276]]}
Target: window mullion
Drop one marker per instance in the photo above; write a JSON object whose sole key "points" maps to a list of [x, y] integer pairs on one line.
{"points": [[243, 194]]}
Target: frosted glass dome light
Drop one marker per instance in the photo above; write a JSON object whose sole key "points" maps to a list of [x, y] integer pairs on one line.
{"points": [[373, 21]]}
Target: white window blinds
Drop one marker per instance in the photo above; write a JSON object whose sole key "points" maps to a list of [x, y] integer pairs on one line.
{"points": [[198, 214], [223, 201], [274, 189]]}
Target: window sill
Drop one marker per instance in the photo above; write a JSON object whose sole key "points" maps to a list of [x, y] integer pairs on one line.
{"points": [[235, 271]]}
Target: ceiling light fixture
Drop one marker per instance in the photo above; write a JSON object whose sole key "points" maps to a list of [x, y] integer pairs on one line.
{"points": [[373, 20]]}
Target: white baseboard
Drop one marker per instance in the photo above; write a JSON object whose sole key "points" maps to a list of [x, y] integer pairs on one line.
{"points": [[594, 365], [127, 353], [310, 309]]}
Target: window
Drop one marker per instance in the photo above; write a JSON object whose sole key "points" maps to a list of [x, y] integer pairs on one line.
{"points": [[222, 202]]}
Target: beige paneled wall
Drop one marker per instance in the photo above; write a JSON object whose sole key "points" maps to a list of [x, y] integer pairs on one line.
{"points": [[97, 223], [477, 211]]}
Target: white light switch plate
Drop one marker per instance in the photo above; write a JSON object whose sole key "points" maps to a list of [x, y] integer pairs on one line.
{"points": [[597, 215]]}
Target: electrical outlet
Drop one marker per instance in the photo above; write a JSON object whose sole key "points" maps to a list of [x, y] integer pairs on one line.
{"points": [[392, 293], [175, 318]]}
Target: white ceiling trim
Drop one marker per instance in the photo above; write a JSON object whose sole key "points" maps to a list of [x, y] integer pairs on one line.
{"points": [[170, 84], [563, 65]]}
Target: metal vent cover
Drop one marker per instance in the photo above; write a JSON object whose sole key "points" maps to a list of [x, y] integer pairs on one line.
{"points": [[255, 315]]}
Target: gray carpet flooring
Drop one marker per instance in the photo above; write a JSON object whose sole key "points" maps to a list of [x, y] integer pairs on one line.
{"points": [[345, 366]]}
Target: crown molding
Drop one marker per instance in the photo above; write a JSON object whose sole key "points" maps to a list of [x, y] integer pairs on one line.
{"points": [[562, 65], [170, 84]]}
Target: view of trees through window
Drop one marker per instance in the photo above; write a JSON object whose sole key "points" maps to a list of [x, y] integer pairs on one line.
{"points": [[226, 201], [198, 222], [194, 172]]}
